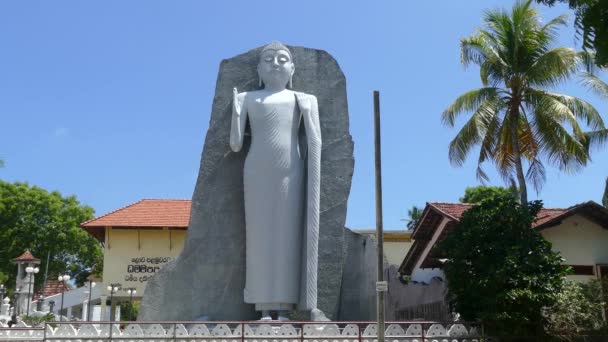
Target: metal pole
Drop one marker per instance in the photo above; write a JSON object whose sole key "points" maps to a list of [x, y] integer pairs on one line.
{"points": [[89, 302], [111, 302], [131, 305], [29, 292], [60, 310], [380, 285]]}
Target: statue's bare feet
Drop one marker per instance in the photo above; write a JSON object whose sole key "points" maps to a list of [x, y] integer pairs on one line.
{"points": [[317, 315], [266, 316]]}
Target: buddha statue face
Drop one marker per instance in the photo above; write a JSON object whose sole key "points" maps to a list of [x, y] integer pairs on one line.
{"points": [[275, 67]]}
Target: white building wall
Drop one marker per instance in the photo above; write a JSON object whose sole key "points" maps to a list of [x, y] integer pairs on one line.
{"points": [[425, 275], [580, 242], [395, 251]]}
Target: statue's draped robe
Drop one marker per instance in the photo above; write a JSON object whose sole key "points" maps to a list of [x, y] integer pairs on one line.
{"points": [[281, 192]]}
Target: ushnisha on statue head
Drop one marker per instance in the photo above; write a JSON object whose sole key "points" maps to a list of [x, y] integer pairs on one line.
{"points": [[275, 67]]}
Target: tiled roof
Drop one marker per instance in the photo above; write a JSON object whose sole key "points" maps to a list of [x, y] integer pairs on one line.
{"points": [[146, 213], [456, 210], [52, 287], [434, 213], [546, 215], [27, 256], [452, 210]]}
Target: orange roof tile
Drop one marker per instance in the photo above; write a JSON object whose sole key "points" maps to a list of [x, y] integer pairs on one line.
{"points": [[452, 210], [26, 256], [52, 287], [146, 213], [546, 218], [455, 211]]}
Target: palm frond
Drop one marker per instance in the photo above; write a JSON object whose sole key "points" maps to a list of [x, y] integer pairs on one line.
{"points": [[562, 149], [528, 146], [552, 67], [536, 174], [488, 145], [595, 84], [549, 32], [472, 132], [595, 139], [504, 156], [467, 102], [473, 50], [581, 109], [587, 60], [539, 100]]}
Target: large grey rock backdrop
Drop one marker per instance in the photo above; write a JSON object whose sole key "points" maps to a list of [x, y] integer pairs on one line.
{"points": [[208, 277]]}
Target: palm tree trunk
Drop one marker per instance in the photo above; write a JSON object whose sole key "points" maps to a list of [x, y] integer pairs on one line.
{"points": [[521, 179]]}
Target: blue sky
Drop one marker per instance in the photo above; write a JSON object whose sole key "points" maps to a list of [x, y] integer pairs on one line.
{"points": [[110, 100]]}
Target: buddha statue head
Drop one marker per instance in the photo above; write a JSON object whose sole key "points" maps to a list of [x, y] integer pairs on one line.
{"points": [[275, 67]]}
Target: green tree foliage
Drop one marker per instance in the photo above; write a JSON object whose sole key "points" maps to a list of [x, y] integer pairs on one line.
{"points": [[129, 311], [477, 194], [515, 120], [591, 23], [499, 269], [413, 215], [577, 311], [38, 320], [46, 222]]}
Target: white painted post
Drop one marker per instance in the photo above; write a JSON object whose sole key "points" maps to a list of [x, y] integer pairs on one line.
{"points": [[103, 306], [69, 313], [85, 309]]}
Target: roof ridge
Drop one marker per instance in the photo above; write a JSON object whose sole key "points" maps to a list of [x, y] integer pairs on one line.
{"points": [[544, 208], [165, 199], [433, 205], [111, 212]]}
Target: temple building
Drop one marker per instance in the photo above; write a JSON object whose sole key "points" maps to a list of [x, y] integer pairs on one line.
{"points": [[579, 233], [140, 238]]}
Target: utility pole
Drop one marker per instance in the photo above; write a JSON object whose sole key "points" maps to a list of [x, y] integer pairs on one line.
{"points": [[381, 285]]}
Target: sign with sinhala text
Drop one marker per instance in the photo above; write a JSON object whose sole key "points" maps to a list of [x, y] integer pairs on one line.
{"points": [[142, 268]]}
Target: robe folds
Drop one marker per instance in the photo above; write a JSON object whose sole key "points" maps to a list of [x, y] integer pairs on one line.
{"points": [[282, 176]]}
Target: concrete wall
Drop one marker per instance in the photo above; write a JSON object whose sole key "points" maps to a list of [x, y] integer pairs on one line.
{"points": [[130, 260], [580, 242]]}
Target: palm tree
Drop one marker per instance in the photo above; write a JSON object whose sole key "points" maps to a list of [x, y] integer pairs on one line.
{"points": [[414, 215], [515, 119]]}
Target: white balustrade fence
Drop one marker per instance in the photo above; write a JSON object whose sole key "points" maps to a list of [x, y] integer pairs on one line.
{"points": [[242, 332]]}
